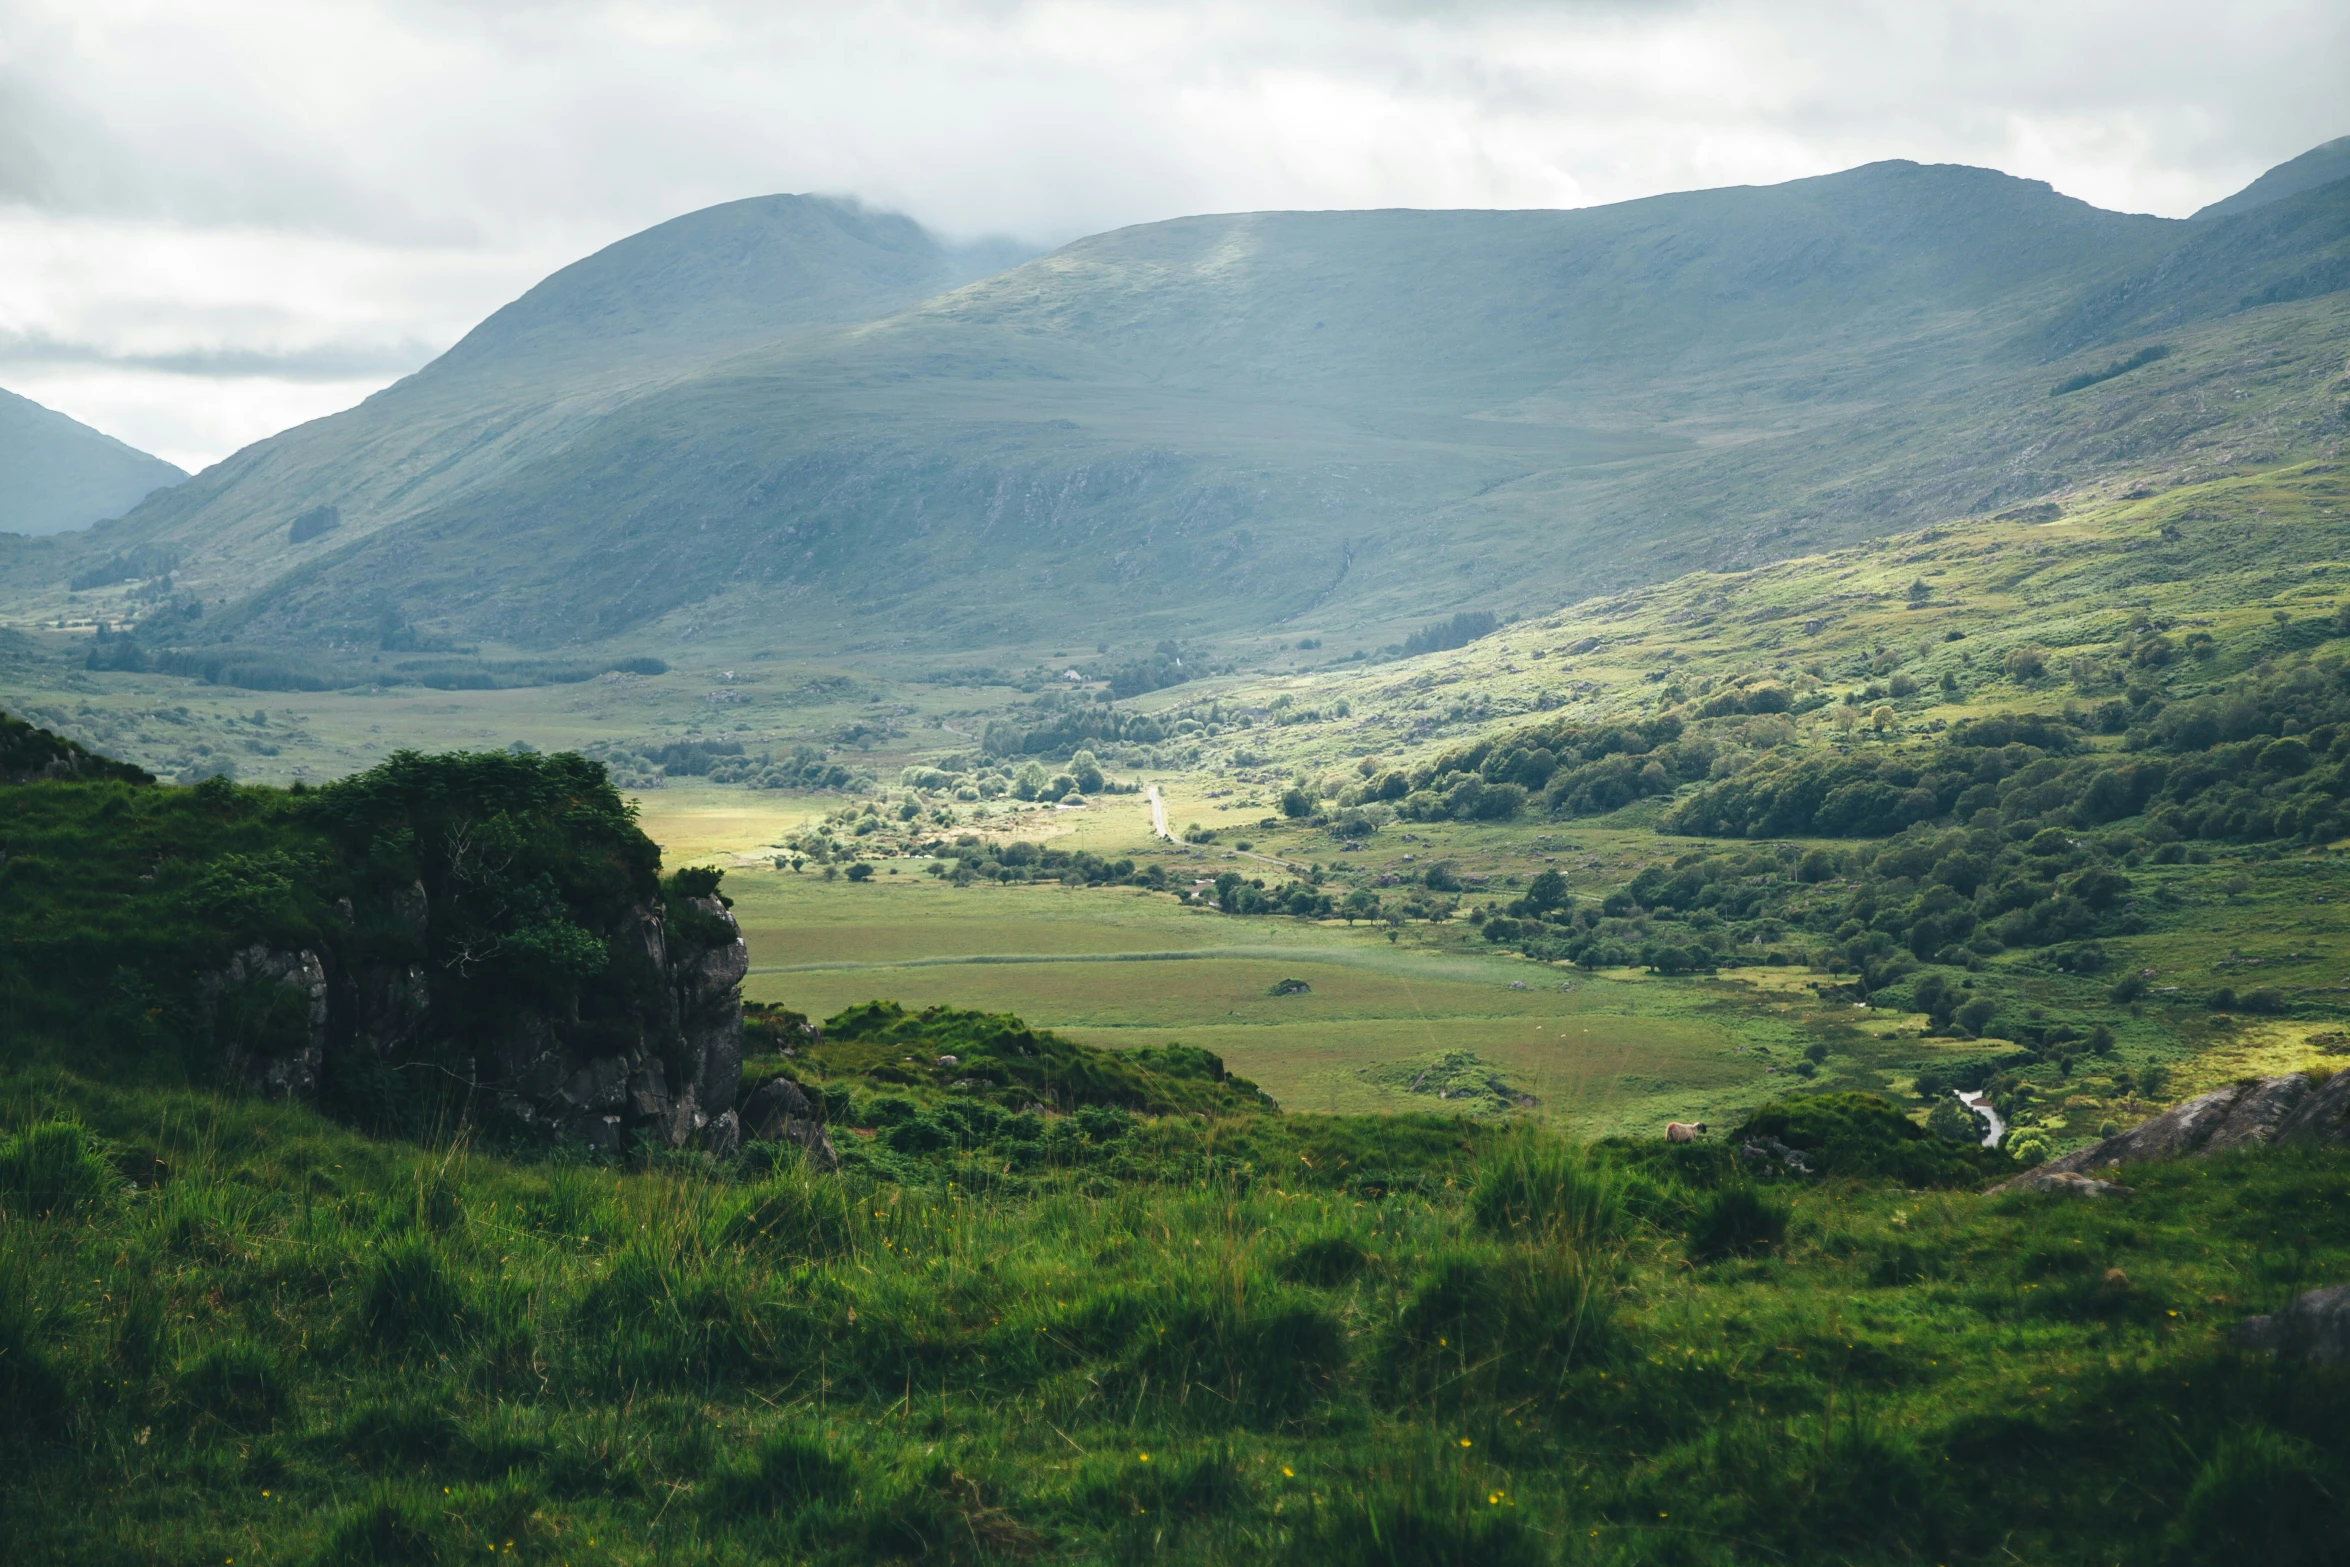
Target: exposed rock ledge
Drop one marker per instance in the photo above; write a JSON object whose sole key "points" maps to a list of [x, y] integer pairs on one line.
{"points": [[2289, 1109]]}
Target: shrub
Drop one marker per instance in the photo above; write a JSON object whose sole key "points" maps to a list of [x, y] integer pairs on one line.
{"points": [[2031, 1150], [1860, 1136]]}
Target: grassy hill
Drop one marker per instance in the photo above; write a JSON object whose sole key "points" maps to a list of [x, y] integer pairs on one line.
{"points": [[63, 475]]}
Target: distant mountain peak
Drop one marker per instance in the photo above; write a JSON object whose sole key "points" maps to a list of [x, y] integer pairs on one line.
{"points": [[61, 474], [729, 276], [2321, 165]]}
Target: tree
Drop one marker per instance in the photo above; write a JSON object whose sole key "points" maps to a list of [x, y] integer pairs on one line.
{"points": [[2028, 662], [1362, 903], [1883, 719], [1296, 802], [1029, 781], [1976, 1015], [860, 872], [1086, 771], [1547, 893]]}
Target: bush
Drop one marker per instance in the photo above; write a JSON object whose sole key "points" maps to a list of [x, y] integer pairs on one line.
{"points": [[1860, 1136]]}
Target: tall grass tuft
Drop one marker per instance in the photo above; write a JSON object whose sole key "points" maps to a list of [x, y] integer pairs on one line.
{"points": [[1479, 1323], [1429, 1518], [409, 1299], [53, 1169], [1534, 1182], [787, 1474], [2262, 1497], [1737, 1220], [387, 1529]]}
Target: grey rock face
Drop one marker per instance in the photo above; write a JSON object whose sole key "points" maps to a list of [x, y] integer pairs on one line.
{"points": [[670, 1064], [2287, 1109], [2064, 1181], [2316, 1327], [269, 1013], [777, 1111]]}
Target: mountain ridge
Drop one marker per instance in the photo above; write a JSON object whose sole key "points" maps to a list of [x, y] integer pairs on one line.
{"points": [[1221, 423]]}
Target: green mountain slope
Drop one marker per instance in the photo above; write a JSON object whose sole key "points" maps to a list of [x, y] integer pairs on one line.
{"points": [[57, 473], [2321, 165], [1335, 422], [527, 380]]}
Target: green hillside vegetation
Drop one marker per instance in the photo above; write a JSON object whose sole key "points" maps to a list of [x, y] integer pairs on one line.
{"points": [[263, 1337]]}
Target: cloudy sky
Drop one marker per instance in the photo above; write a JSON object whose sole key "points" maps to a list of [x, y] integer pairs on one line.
{"points": [[219, 220]]}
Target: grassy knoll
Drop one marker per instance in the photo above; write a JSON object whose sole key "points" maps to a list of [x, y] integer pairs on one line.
{"points": [[1387, 1340]]}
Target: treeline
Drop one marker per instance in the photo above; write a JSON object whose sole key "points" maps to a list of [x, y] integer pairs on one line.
{"points": [[1064, 727], [1445, 635], [1569, 769], [2266, 759], [1949, 897], [274, 669]]}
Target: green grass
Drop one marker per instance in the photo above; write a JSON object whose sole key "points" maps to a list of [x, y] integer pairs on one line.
{"points": [[289, 1343]]}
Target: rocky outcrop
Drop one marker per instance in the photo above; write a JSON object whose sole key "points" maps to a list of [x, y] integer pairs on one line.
{"points": [[662, 1060], [2315, 1327], [2068, 1182], [2288, 1109], [269, 1012], [670, 1072], [779, 1111]]}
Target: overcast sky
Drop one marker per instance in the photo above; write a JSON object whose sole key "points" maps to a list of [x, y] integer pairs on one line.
{"points": [[219, 220]]}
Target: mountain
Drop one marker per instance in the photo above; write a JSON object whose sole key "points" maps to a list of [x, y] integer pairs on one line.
{"points": [[647, 309], [57, 473], [2318, 166], [776, 424]]}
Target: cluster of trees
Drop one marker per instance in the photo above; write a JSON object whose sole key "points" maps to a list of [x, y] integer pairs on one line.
{"points": [[1573, 769], [2269, 758], [1463, 629], [1952, 896], [803, 766], [972, 860]]}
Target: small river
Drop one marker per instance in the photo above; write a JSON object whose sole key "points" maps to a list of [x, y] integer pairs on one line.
{"points": [[1998, 1126]]}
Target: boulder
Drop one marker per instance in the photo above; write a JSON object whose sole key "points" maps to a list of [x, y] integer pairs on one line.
{"points": [[2068, 1182], [2315, 1327], [2288, 1109], [778, 1111]]}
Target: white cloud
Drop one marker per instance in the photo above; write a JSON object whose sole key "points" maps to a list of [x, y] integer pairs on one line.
{"points": [[217, 220]]}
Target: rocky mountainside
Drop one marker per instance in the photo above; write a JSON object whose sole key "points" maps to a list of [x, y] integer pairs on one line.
{"points": [[57, 473]]}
